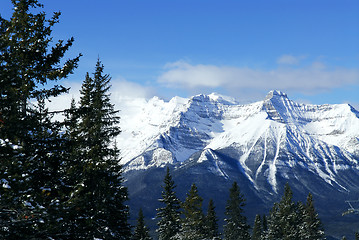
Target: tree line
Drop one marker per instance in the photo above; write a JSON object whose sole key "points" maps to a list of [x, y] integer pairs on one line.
{"points": [[186, 220], [62, 179]]}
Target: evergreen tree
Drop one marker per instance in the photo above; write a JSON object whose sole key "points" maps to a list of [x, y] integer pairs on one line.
{"points": [[236, 227], [72, 168], [141, 231], [97, 206], [169, 215], [285, 220], [193, 223], [264, 223], [257, 228], [27, 65], [31, 155], [313, 228], [211, 222], [46, 171]]}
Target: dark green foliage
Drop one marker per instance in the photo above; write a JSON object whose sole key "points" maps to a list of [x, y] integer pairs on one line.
{"points": [[32, 155], [289, 220], [141, 231], [236, 226], [264, 223], [45, 170], [169, 215], [193, 223], [285, 218], [211, 222], [97, 205], [312, 225], [28, 61], [257, 228]]}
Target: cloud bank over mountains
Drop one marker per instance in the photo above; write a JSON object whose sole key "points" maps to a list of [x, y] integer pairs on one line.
{"points": [[305, 79], [294, 74]]}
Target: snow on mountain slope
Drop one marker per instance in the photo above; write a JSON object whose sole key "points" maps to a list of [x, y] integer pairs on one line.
{"points": [[268, 137]]}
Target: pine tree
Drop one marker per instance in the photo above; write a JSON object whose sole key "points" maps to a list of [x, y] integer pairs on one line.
{"points": [[29, 60], [141, 231], [27, 65], [72, 168], [46, 171], [194, 222], [169, 215], [264, 223], [97, 207], [257, 228], [285, 220], [313, 228], [211, 222], [236, 227]]}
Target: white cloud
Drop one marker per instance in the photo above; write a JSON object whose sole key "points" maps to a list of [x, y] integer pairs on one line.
{"points": [[316, 77], [121, 90], [290, 59]]}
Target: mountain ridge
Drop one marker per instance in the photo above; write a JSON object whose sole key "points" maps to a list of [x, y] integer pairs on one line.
{"points": [[204, 120], [213, 140]]}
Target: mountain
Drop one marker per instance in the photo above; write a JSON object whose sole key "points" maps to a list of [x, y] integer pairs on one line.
{"points": [[213, 140]]}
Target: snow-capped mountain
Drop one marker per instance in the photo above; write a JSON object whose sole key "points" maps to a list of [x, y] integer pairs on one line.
{"points": [[212, 139], [323, 138]]}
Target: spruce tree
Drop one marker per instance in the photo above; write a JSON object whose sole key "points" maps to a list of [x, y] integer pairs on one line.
{"points": [[211, 222], [47, 185], [286, 218], [29, 60], [193, 224], [257, 228], [313, 228], [72, 168], [236, 227], [97, 206], [141, 231], [169, 215], [31, 143], [264, 223]]}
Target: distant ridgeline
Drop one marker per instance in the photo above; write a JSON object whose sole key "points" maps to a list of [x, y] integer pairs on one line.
{"points": [[212, 140]]}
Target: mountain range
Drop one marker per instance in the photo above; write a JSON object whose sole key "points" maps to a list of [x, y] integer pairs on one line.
{"points": [[212, 140]]}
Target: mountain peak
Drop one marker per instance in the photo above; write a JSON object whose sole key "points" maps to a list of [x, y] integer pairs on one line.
{"points": [[215, 97], [275, 93], [276, 105]]}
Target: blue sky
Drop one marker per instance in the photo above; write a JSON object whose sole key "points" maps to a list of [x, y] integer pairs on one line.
{"points": [[306, 48]]}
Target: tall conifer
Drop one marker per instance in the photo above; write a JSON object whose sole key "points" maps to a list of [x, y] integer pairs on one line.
{"points": [[169, 222], [193, 224], [97, 205], [211, 222], [313, 228], [236, 227], [257, 228], [286, 218], [141, 231], [30, 142]]}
